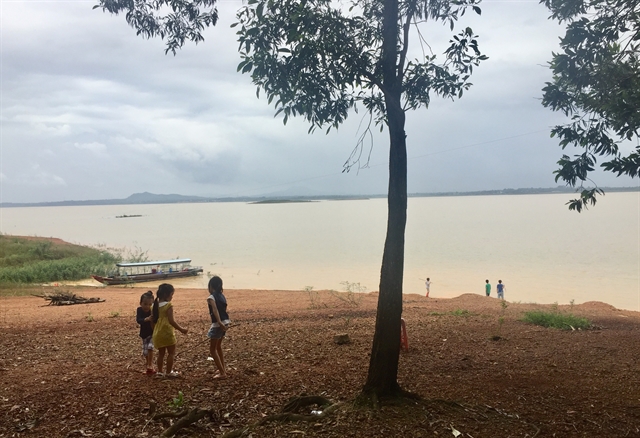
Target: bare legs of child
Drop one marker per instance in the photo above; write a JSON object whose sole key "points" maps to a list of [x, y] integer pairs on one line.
{"points": [[160, 363], [171, 353], [215, 351], [149, 361]]}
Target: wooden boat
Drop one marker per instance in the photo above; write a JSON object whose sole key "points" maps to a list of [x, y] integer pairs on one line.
{"points": [[128, 273]]}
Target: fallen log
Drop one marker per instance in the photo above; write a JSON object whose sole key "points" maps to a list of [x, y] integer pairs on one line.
{"points": [[67, 299]]}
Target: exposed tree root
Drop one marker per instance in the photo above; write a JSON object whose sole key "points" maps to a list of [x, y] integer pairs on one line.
{"points": [[370, 398], [190, 417], [161, 415], [294, 404], [289, 413], [186, 417]]}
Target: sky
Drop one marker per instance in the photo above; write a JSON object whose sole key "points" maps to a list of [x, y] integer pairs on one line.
{"points": [[89, 110]]}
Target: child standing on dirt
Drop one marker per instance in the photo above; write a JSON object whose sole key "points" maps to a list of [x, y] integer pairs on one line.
{"points": [[217, 304], [487, 288], [164, 336], [500, 289], [143, 318]]}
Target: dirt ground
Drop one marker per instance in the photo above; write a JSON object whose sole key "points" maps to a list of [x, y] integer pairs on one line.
{"points": [[76, 371]]}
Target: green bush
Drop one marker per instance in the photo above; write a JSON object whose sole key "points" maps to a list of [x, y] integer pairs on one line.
{"points": [[563, 321], [24, 261], [56, 270]]}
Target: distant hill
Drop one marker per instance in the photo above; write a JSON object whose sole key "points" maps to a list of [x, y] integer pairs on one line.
{"points": [[136, 198], [152, 198]]}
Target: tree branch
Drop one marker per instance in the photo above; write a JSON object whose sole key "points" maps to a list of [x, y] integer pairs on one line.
{"points": [[405, 47]]}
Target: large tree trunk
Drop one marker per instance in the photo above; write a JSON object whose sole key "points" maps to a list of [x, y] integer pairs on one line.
{"points": [[382, 380]]}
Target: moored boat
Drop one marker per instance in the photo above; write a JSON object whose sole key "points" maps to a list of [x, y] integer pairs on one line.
{"points": [[128, 273]]}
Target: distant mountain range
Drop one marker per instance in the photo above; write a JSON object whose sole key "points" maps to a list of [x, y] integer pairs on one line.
{"points": [[152, 198]]}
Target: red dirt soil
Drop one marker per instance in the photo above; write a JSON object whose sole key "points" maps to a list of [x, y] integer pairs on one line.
{"points": [[76, 371]]}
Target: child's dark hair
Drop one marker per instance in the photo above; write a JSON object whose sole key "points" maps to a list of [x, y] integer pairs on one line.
{"points": [[215, 284], [147, 294], [164, 291]]}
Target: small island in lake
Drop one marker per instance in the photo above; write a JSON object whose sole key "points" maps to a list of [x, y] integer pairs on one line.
{"points": [[281, 201]]}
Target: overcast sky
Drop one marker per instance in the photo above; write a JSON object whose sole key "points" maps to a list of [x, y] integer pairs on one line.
{"points": [[92, 111]]}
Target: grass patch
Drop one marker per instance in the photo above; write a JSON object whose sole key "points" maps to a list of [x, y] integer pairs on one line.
{"points": [[41, 260], [563, 321], [19, 251]]}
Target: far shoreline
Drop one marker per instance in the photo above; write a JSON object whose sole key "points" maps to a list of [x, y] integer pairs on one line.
{"points": [[152, 198]]}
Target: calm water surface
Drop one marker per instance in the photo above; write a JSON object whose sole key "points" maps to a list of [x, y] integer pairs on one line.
{"points": [[540, 250]]}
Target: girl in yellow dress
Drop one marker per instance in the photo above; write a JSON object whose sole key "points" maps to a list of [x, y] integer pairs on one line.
{"points": [[164, 336]]}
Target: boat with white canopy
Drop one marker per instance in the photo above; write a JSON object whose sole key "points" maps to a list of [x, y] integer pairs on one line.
{"points": [[128, 273]]}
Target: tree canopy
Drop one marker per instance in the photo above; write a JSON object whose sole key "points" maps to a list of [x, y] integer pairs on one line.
{"points": [[596, 82], [319, 59], [175, 21]]}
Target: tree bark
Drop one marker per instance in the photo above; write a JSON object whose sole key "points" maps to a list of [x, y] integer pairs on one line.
{"points": [[382, 379]]}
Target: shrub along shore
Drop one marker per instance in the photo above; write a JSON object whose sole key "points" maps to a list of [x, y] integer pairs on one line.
{"points": [[27, 260]]}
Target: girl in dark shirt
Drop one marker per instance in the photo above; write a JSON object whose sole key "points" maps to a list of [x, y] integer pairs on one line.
{"points": [[217, 304], [144, 319]]}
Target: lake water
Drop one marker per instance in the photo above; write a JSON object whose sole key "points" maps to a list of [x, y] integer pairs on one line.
{"points": [[542, 252]]}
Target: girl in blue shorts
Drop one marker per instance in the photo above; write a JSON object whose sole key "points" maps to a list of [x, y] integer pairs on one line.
{"points": [[217, 304]]}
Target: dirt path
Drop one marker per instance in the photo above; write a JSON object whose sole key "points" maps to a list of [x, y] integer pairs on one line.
{"points": [[76, 370]]}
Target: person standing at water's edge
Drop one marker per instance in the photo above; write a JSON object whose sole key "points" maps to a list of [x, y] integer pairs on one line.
{"points": [[487, 288], [217, 304], [427, 283], [500, 289]]}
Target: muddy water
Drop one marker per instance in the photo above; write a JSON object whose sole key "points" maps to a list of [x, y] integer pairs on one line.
{"points": [[542, 252]]}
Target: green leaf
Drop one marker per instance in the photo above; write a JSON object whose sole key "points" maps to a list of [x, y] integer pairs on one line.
{"points": [[247, 68]]}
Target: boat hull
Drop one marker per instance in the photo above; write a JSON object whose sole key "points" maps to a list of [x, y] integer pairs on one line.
{"points": [[140, 278]]}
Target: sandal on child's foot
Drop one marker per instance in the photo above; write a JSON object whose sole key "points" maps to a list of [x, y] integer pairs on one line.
{"points": [[159, 375], [151, 372], [173, 374]]}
